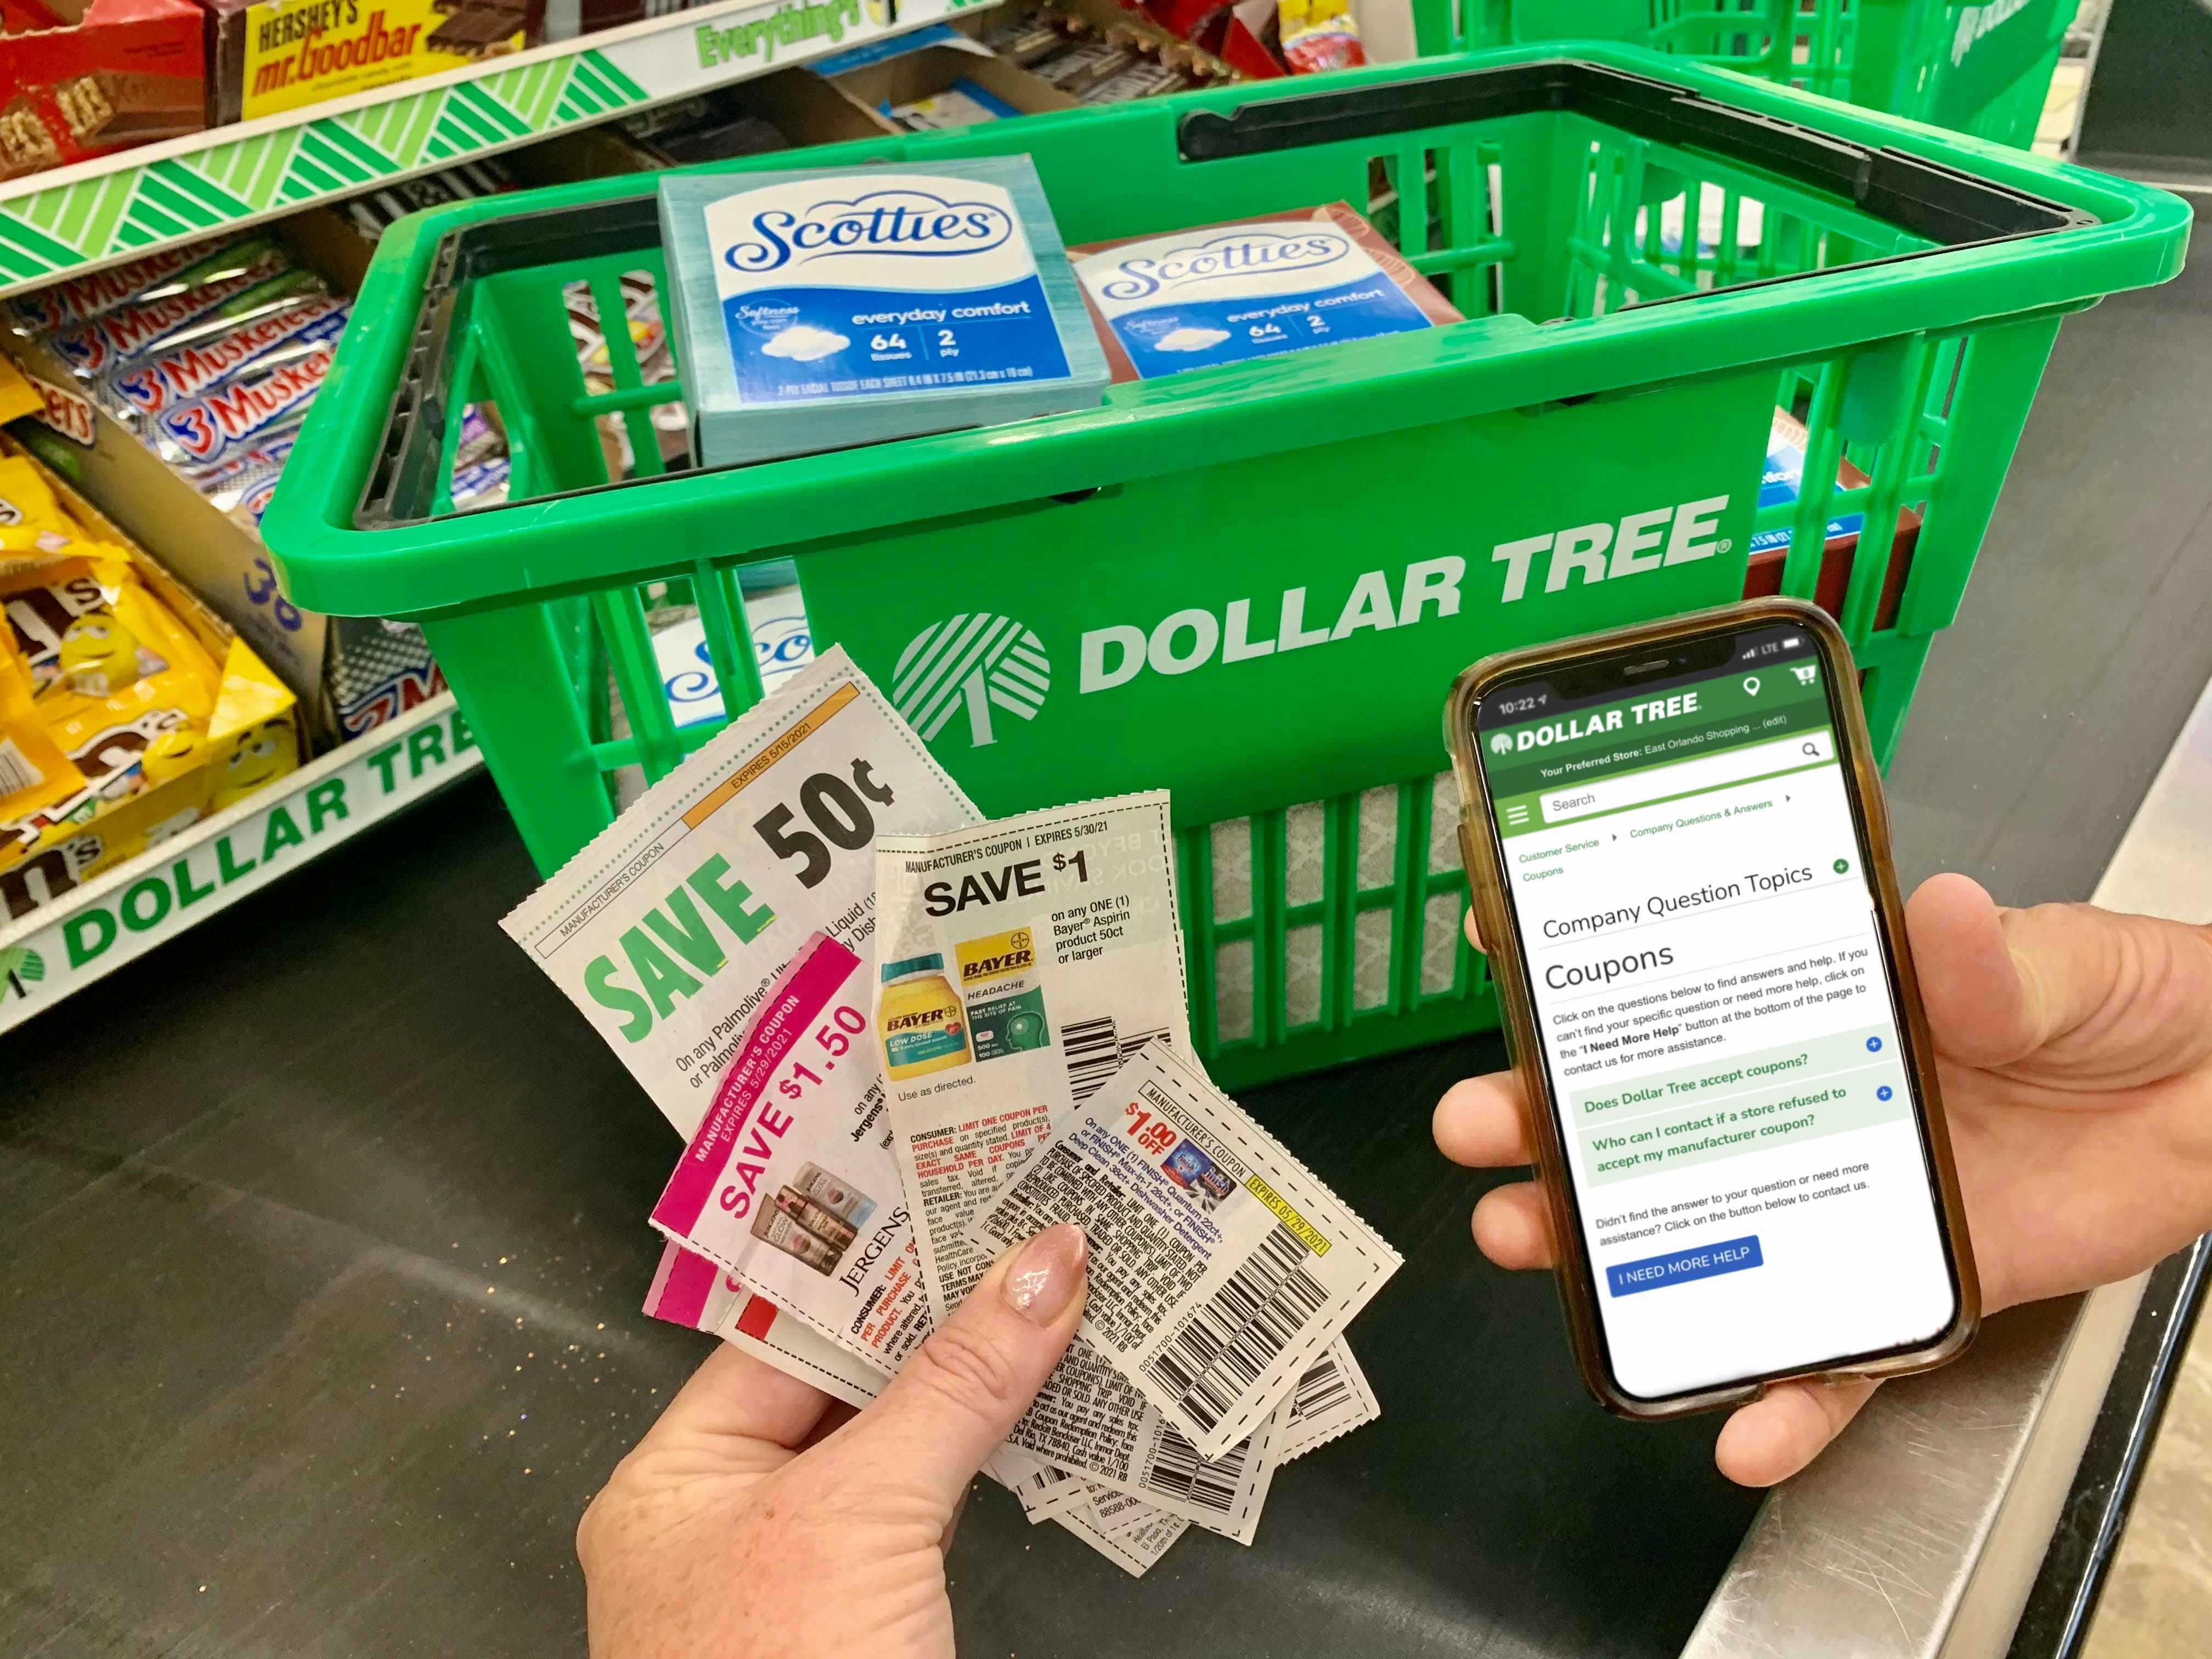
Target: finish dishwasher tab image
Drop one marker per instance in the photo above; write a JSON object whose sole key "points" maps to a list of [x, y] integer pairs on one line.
{"points": [[1718, 1023], [829, 308]]}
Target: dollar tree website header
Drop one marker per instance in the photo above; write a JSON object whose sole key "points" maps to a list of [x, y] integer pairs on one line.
{"points": [[1682, 722]]}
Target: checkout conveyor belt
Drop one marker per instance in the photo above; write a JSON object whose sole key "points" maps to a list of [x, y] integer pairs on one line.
{"points": [[326, 1244]]}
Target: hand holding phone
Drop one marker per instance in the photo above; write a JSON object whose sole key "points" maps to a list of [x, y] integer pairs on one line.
{"points": [[1678, 859], [2075, 1051], [2076, 1048]]}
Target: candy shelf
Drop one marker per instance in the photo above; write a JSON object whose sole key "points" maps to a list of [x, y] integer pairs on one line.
{"points": [[76, 219], [84, 934]]}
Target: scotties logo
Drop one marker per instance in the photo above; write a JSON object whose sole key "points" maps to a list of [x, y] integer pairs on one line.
{"points": [[1241, 253], [898, 224]]}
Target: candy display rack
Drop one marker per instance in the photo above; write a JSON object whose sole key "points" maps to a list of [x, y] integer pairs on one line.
{"points": [[88, 931], [70, 220]]}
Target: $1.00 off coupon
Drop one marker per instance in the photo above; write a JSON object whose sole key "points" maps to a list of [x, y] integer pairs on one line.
{"points": [[1220, 1267]]}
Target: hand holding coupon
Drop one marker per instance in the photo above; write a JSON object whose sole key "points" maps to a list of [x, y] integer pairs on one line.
{"points": [[900, 1041]]}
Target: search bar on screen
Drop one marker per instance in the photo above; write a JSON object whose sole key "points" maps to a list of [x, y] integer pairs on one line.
{"points": [[1756, 760]]}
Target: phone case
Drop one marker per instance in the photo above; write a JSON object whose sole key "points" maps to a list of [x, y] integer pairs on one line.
{"points": [[1485, 871]]}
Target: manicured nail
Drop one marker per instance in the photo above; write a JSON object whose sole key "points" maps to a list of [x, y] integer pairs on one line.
{"points": [[1047, 1274]]}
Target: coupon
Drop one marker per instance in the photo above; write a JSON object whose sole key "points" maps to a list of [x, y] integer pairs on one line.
{"points": [[1022, 961], [1134, 1551], [1091, 1420], [1044, 1491], [688, 1289], [1331, 1399], [691, 1291], [668, 929], [788, 1183], [1220, 1266]]}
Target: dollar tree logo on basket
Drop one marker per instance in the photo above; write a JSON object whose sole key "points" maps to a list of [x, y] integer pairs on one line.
{"points": [[973, 662], [980, 663]]}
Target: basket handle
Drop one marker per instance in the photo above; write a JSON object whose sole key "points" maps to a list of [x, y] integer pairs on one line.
{"points": [[414, 432], [1938, 202]]}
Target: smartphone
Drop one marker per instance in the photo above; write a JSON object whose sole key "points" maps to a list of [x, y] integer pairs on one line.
{"points": [[1680, 863]]}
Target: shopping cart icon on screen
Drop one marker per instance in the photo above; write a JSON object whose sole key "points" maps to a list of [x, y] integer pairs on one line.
{"points": [[1804, 671]]}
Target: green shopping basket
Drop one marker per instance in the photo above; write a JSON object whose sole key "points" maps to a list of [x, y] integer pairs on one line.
{"points": [[1252, 583], [1982, 68]]}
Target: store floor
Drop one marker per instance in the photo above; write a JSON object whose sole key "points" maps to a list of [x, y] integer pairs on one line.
{"points": [[324, 1240]]}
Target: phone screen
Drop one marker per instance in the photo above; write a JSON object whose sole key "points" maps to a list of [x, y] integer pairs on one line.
{"points": [[1718, 1020]]}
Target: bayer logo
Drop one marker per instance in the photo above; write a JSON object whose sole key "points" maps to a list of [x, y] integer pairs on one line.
{"points": [[1501, 744]]}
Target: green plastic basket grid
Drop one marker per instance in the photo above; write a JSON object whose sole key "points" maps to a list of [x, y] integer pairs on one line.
{"points": [[1982, 68], [1320, 883]]}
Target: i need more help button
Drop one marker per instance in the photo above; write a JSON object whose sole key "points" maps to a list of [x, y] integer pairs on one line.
{"points": [[1655, 1272]]}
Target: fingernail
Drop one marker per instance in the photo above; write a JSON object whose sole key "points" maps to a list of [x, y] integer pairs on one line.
{"points": [[1047, 1274]]}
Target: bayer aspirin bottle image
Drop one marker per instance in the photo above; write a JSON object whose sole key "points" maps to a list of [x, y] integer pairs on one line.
{"points": [[924, 1023], [823, 309]]}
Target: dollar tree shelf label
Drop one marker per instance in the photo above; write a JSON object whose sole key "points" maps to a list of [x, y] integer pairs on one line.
{"points": [[80, 935]]}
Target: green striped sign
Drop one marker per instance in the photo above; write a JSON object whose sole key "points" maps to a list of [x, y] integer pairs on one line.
{"points": [[58, 231]]}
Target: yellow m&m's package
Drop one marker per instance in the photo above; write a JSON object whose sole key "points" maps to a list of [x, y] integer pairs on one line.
{"points": [[26, 500], [32, 769], [140, 709]]}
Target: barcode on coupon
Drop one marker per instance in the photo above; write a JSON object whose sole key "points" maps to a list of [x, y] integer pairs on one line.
{"points": [[1094, 1054], [1320, 1390], [1096, 1049], [16, 772], [1178, 1471], [1224, 1347], [1137, 1040], [1047, 1477]]}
